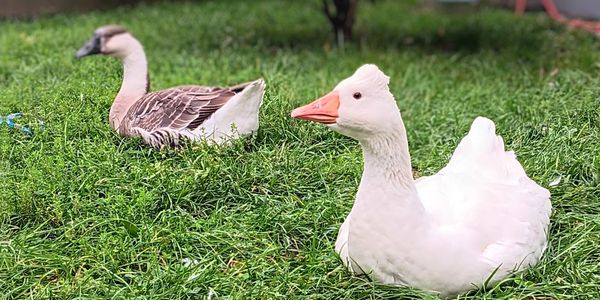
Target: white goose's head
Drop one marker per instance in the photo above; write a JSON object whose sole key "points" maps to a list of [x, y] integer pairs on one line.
{"points": [[360, 106], [112, 40]]}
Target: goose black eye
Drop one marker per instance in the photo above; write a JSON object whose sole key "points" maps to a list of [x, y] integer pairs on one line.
{"points": [[357, 95]]}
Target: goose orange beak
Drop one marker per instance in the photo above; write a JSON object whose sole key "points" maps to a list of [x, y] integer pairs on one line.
{"points": [[323, 110]]}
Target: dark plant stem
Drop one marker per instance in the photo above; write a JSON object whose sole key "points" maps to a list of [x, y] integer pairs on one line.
{"points": [[342, 20]]}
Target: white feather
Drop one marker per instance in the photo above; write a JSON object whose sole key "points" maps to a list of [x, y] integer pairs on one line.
{"points": [[483, 215], [238, 117], [447, 233], [371, 74]]}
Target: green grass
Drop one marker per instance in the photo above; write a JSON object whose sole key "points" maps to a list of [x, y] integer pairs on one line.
{"points": [[87, 214]]}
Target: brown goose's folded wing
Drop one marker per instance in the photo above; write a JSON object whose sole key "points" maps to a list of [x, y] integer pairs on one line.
{"points": [[178, 108]]}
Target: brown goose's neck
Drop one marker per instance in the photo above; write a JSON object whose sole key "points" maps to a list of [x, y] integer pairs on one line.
{"points": [[136, 82]]}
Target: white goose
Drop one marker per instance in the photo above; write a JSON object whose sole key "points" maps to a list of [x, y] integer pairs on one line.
{"points": [[165, 117], [478, 218]]}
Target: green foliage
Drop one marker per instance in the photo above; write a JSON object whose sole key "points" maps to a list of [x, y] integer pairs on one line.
{"points": [[85, 213]]}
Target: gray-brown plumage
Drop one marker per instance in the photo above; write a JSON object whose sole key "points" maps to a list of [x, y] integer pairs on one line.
{"points": [[165, 117]]}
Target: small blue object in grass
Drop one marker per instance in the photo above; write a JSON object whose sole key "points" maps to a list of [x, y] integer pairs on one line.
{"points": [[11, 123]]}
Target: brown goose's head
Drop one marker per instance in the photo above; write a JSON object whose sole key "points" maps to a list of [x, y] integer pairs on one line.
{"points": [[110, 40]]}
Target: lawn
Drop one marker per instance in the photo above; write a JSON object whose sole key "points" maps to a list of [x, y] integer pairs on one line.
{"points": [[87, 214]]}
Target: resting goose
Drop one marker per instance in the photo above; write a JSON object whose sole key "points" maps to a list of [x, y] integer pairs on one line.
{"points": [[164, 117], [478, 218]]}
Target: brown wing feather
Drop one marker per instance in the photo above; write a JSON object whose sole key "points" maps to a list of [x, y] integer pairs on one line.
{"points": [[183, 107]]}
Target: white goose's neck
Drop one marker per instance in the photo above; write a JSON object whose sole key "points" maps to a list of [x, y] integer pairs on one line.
{"points": [[387, 174], [386, 158], [136, 81]]}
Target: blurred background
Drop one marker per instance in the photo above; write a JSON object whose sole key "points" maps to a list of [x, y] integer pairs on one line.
{"points": [[341, 13]]}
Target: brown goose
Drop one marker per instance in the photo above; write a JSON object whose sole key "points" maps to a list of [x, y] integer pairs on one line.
{"points": [[165, 117]]}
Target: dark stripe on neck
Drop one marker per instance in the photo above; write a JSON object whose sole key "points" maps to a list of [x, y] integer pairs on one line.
{"points": [[147, 82]]}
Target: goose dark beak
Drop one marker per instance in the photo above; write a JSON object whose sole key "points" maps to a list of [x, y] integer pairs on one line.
{"points": [[91, 47]]}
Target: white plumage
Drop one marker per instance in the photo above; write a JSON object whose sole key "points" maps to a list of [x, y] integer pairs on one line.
{"points": [[447, 233]]}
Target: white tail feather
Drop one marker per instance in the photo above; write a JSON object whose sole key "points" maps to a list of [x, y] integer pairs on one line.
{"points": [[483, 151]]}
